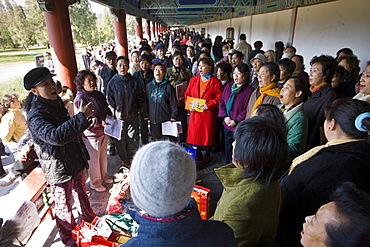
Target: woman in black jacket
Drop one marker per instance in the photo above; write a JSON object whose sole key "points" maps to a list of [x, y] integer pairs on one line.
{"points": [[314, 175], [126, 98], [61, 152]]}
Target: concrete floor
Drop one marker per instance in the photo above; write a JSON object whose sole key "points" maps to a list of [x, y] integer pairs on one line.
{"points": [[47, 235]]}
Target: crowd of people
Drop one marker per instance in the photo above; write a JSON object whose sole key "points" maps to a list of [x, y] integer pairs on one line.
{"points": [[290, 140]]}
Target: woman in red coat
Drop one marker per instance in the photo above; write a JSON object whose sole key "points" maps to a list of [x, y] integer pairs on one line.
{"points": [[202, 125]]}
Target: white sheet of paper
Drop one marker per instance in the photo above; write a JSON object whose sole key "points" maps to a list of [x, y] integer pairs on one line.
{"points": [[171, 128], [113, 127]]}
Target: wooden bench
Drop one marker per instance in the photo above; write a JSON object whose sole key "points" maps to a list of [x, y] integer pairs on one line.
{"points": [[33, 186]]}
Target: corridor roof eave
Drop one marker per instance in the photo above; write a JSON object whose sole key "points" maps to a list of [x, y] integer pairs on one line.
{"points": [[180, 13]]}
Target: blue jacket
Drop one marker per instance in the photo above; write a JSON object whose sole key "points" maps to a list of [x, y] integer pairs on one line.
{"points": [[185, 230]]}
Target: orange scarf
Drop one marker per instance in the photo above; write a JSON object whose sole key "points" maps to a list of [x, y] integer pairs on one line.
{"points": [[270, 90], [317, 87], [202, 86]]}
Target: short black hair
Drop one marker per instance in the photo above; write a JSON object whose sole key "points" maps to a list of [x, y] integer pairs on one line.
{"points": [[288, 65], [239, 54], [301, 60], [329, 65], [190, 46], [301, 84], [258, 44], [136, 51], [205, 52], [145, 48], [290, 46], [273, 69], [123, 58], [176, 53], [347, 51], [353, 228], [176, 46], [345, 112], [279, 45], [145, 57], [261, 148], [242, 36], [273, 113], [243, 68], [225, 67]]}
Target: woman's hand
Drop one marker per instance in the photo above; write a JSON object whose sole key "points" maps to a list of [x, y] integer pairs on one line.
{"points": [[232, 123], [204, 107], [87, 110], [227, 120]]}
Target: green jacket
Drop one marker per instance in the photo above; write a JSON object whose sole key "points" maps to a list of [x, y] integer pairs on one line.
{"points": [[249, 208], [297, 127]]}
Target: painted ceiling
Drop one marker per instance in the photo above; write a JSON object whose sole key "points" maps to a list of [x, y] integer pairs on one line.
{"points": [[178, 13]]}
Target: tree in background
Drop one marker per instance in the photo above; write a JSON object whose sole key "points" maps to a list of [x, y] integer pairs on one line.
{"points": [[19, 28], [83, 23], [37, 21], [106, 27], [5, 38], [130, 24]]}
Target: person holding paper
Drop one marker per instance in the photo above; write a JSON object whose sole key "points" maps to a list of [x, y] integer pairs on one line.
{"points": [[179, 76], [126, 99], [93, 137], [162, 102], [202, 125]]}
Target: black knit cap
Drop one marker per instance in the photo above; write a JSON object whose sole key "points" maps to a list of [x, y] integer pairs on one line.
{"points": [[36, 76]]}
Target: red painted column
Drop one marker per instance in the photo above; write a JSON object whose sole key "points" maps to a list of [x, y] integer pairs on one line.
{"points": [[60, 36], [139, 30], [121, 34], [147, 29], [157, 28], [153, 30]]}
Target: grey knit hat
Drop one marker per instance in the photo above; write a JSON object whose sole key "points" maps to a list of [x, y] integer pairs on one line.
{"points": [[259, 56], [162, 178]]}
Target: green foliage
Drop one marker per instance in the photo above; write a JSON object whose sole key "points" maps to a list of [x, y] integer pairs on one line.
{"points": [[22, 26], [5, 39], [83, 23], [106, 27], [130, 24], [18, 25], [36, 20]]}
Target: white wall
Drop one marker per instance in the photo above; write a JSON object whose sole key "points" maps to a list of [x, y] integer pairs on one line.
{"points": [[320, 29], [328, 27]]}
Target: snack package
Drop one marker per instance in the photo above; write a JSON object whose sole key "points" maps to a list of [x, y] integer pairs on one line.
{"points": [[201, 196]]}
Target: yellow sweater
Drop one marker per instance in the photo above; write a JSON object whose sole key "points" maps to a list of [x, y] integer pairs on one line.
{"points": [[13, 125]]}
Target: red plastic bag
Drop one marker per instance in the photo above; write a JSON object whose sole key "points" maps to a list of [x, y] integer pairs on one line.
{"points": [[85, 235]]}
